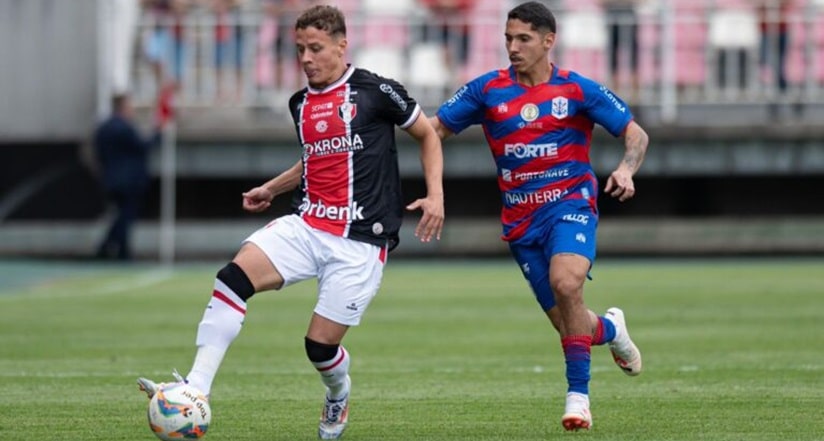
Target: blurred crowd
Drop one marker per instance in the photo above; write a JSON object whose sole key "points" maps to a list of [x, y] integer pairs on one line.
{"points": [[239, 52]]}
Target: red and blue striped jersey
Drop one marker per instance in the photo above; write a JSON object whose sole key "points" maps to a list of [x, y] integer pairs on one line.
{"points": [[540, 139]]}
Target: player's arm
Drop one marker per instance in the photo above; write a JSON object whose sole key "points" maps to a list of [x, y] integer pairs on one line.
{"points": [[260, 198], [442, 131], [619, 184], [431, 222]]}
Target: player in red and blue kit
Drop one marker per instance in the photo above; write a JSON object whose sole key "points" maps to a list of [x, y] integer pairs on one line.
{"points": [[538, 121]]}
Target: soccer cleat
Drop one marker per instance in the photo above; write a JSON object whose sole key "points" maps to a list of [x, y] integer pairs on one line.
{"points": [[624, 352], [334, 416], [151, 388], [576, 412]]}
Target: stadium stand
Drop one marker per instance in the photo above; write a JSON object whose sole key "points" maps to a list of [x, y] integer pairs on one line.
{"points": [[716, 159]]}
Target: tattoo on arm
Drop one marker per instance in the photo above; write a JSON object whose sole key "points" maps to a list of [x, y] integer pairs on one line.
{"points": [[636, 146]]}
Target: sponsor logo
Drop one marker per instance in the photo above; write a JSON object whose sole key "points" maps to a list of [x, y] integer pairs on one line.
{"points": [[338, 144], [503, 108], [321, 107], [560, 107], [538, 197], [579, 218], [377, 228], [525, 268], [321, 126], [394, 96], [543, 174], [530, 112], [580, 237], [506, 174], [585, 193], [317, 115], [347, 112], [521, 150], [614, 100], [352, 306], [332, 212], [454, 99]]}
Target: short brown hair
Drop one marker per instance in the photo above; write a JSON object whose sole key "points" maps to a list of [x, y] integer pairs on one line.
{"points": [[325, 18]]}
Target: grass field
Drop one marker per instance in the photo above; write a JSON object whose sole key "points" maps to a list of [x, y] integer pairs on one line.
{"points": [[733, 350]]}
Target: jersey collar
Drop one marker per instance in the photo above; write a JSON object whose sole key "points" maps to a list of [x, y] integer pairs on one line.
{"points": [[343, 79], [513, 76]]}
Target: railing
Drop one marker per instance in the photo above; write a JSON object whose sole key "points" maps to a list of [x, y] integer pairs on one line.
{"points": [[687, 52]]}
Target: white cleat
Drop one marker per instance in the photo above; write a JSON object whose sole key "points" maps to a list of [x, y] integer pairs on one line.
{"points": [[335, 415], [151, 388], [576, 412], [624, 352]]}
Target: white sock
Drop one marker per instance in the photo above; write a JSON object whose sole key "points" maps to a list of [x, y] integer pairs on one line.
{"points": [[333, 373], [217, 330]]}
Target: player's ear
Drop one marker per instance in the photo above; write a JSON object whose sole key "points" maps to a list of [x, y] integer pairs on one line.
{"points": [[549, 40], [342, 44]]}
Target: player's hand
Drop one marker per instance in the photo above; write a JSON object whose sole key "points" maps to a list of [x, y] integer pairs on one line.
{"points": [[620, 185], [257, 199], [431, 222]]}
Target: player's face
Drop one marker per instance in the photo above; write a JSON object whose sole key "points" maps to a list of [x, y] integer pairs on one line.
{"points": [[527, 47], [320, 55]]}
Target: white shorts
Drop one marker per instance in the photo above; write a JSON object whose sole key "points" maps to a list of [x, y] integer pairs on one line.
{"points": [[349, 272]]}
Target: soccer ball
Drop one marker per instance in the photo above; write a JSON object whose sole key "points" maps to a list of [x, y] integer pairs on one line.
{"points": [[179, 411]]}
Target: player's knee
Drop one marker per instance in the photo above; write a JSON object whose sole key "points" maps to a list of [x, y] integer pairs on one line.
{"points": [[233, 276], [567, 288], [319, 352]]}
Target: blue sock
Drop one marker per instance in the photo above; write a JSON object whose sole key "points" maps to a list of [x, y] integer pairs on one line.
{"points": [[577, 356], [604, 333]]}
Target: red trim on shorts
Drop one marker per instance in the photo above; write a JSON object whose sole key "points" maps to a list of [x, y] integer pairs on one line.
{"points": [[222, 297], [382, 255], [337, 362]]}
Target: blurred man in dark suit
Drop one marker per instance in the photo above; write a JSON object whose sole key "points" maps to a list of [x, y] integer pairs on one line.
{"points": [[122, 154]]}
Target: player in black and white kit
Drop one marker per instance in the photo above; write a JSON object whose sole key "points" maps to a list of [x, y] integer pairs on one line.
{"points": [[347, 217], [351, 185]]}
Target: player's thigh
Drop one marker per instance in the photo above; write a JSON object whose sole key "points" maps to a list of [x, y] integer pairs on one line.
{"points": [[287, 245], [349, 279], [534, 265], [572, 245]]}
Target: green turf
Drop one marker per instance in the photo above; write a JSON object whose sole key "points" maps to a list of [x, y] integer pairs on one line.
{"points": [[733, 350]]}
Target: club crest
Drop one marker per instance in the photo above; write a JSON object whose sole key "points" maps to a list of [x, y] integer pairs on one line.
{"points": [[347, 112], [560, 107]]}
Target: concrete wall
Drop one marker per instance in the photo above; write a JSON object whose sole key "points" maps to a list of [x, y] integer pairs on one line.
{"points": [[48, 66]]}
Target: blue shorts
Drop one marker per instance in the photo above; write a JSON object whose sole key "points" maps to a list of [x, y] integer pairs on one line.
{"points": [[568, 229]]}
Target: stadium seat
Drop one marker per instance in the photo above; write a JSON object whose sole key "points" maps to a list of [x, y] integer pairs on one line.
{"points": [[386, 61], [429, 77], [426, 66], [398, 8], [582, 37], [733, 29]]}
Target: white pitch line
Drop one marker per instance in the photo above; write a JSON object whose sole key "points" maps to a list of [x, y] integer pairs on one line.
{"points": [[142, 280]]}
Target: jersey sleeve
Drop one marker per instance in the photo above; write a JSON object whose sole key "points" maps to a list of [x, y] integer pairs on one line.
{"points": [[604, 107], [397, 106], [465, 107]]}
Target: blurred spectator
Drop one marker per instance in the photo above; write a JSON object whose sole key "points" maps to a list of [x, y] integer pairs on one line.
{"points": [[276, 64], [122, 154], [228, 41], [267, 63], [449, 26], [164, 46], [774, 39], [622, 20]]}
